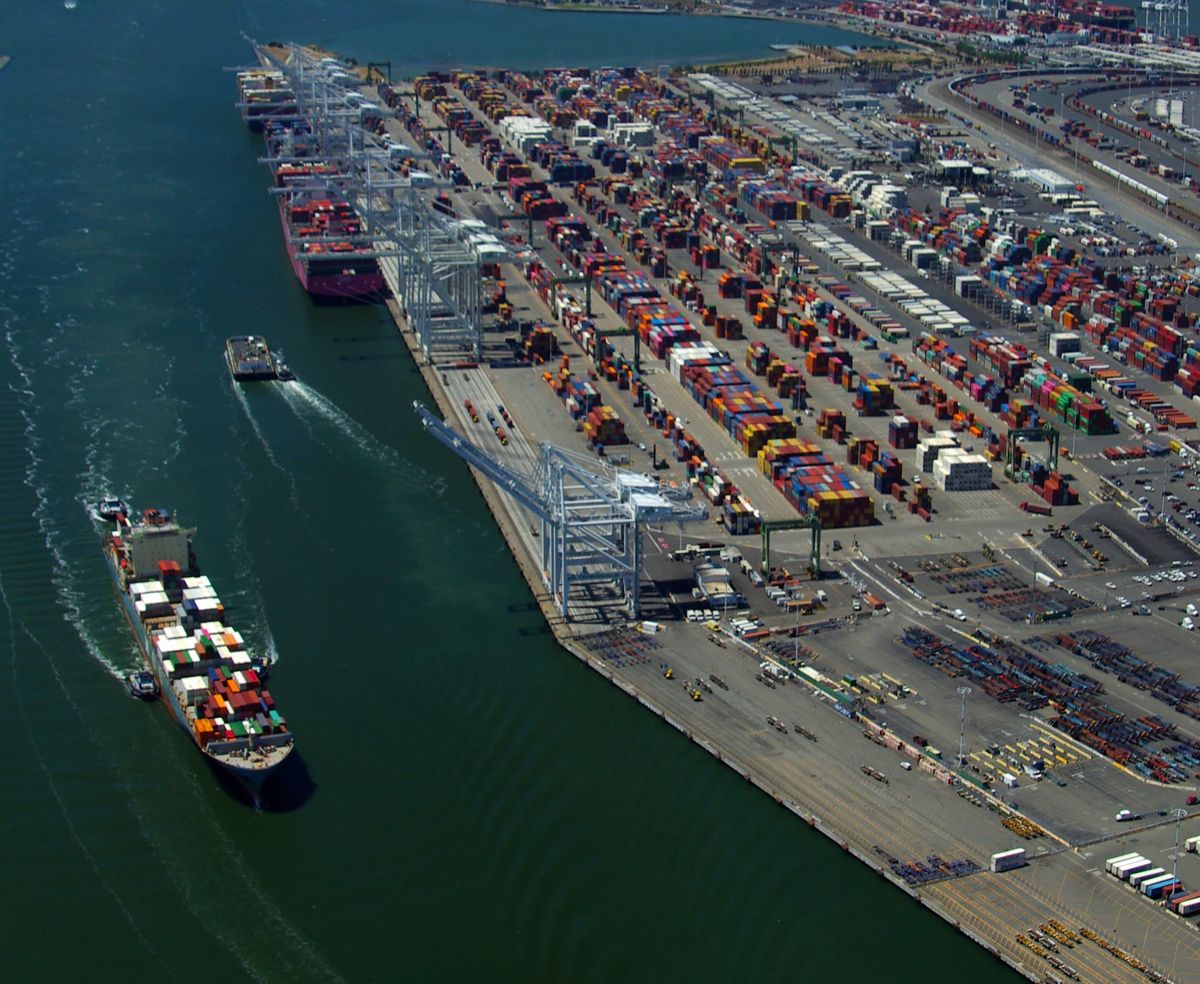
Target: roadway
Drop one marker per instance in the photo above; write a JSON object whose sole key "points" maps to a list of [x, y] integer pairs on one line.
{"points": [[1023, 150]]}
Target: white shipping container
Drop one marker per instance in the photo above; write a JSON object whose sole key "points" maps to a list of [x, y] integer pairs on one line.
{"points": [[1119, 859], [1192, 844], [1127, 868], [1158, 884], [1007, 860], [1136, 878], [194, 593], [1189, 908]]}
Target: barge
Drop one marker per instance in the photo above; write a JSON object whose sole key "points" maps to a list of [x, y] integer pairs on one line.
{"points": [[250, 358]]}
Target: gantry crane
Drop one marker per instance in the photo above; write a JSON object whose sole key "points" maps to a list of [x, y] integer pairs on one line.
{"points": [[811, 522], [1046, 432], [592, 515], [433, 270]]}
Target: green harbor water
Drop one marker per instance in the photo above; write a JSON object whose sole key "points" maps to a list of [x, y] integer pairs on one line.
{"points": [[469, 802]]}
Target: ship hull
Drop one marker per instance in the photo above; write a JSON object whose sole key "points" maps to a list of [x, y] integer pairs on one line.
{"points": [[252, 779], [364, 287]]}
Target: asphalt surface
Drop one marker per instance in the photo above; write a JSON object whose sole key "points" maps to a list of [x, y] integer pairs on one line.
{"points": [[1023, 150], [911, 815]]}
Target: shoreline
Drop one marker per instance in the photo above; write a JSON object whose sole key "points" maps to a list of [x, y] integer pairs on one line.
{"points": [[583, 8], [826, 808], [573, 644]]}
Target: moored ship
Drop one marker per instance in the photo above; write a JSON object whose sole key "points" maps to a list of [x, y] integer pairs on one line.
{"points": [[207, 678], [320, 230], [264, 94], [331, 253]]}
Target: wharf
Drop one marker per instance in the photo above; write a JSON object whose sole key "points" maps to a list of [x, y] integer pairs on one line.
{"points": [[818, 782], [890, 825]]}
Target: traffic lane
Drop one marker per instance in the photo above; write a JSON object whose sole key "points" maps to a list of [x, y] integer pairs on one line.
{"points": [[1016, 144]]}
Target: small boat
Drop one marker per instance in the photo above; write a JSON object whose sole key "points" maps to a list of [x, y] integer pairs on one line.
{"points": [[110, 509], [142, 684], [282, 372]]}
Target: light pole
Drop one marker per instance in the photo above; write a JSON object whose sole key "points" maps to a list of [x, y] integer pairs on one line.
{"points": [[796, 637], [962, 723], [1178, 813]]}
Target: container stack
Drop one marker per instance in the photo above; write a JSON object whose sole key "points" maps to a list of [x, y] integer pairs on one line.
{"points": [[831, 425], [1055, 490], [956, 470], [741, 518], [1062, 342], [886, 472], [604, 426], [1067, 403], [539, 344], [776, 456], [875, 395], [928, 450], [902, 432], [921, 502], [758, 356], [860, 451], [726, 326], [828, 493]]}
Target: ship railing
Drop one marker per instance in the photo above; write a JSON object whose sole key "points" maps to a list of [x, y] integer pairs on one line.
{"points": [[260, 743]]}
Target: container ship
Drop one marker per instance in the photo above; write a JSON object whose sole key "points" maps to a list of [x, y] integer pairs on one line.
{"points": [[263, 93], [250, 358], [324, 235], [319, 228], [212, 685]]}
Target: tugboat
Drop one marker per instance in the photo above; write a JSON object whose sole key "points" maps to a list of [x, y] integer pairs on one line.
{"points": [[282, 372], [109, 509], [142, 685]]}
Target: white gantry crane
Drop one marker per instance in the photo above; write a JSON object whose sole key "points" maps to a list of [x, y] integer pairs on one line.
{"points": [[430, 262], [592, 515]]}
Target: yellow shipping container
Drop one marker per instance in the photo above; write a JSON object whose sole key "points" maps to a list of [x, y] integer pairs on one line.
{"points": [[749, 163]]}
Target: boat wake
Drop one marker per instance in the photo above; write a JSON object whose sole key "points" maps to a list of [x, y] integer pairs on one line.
{"points": [[240, 395], [15, 623], [69, 596], [305, 401]]}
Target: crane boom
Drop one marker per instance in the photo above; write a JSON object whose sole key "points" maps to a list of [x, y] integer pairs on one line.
{"points": [[518, 486]]}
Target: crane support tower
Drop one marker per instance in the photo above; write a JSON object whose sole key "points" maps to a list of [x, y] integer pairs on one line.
{"points": [[592, 515]]}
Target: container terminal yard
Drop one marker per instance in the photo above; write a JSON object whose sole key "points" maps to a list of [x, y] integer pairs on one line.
{"points": [[858, 447]]}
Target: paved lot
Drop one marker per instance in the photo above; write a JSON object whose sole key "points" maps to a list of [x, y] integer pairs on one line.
{"points": [[905, 816]]}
